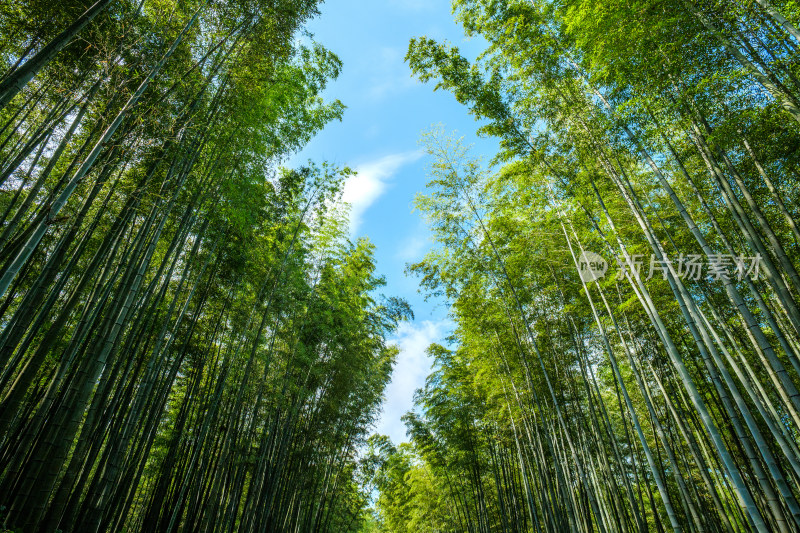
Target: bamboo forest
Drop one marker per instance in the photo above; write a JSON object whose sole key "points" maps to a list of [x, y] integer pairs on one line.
{"points": [[193, 337]]}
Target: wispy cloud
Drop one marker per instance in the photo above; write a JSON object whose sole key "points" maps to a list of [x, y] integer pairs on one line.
{"points": [[412, 367], [413, 247], [370, 182], [390, 74]]}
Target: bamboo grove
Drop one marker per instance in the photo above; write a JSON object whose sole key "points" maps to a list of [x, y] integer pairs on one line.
{"points": [[190, 341], [662, 396]]}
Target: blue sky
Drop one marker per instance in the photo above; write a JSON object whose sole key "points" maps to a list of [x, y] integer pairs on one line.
{"points": [[386, 112]]}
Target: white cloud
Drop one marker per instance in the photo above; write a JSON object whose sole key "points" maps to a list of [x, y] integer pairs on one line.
{"points": [[413, 247], [412, 367], [363, 189], [390, 74]]}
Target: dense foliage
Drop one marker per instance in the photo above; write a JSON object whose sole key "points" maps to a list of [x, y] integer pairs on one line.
{"points": [[188, 339], [661, 136]]}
